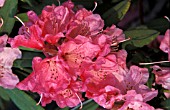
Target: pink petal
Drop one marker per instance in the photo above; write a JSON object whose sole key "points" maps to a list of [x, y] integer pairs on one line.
{"points": [[7, 56], [95, 23], [33, 40], [162, 75], [2, 3], [3, 40], [165, 43], [8, 79]]}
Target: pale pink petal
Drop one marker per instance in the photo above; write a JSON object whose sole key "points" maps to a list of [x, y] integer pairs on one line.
{"points": [[162, 76], [2, 3], [108, 96], [32, 16], [7, 56], [135, 101], [165, 43], [115, 33], [95, 23], [3, 40]]}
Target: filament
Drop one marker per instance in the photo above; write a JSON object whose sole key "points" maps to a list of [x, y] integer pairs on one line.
{"points": [[153, 63], [20, 20], [94, 6], [59, 2], [41, 96], [167, 18], [81, 104], [125, 40]]}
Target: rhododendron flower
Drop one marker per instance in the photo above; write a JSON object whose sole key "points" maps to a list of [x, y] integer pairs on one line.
{"points": [[76, 53], [165, 43], [135, 80], [85, 23], [114, 74], [51, 79], [31, 38], [162, 76], [7, 56], [135, 101], [44, 28]]}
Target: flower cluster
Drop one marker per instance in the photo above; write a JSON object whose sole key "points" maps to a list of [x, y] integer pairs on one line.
{"points": [[81, 57]]}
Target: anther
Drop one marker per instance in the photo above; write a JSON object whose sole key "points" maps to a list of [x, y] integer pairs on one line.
{"points": [[125, 40], [20, 20], [94, 6]]}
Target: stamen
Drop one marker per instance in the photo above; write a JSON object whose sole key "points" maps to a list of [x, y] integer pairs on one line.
{"points": [[1, 22], [41, 96], [81, 104], [154, 63], [94, 6], [125, 40], [20, 20], [58, 2], [167, 18]]}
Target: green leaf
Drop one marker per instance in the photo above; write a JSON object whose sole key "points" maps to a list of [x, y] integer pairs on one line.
{"points": [[30, 2], [140, 37], [7, 13], [23, 16], [26, 60], [87, 105], [22, 100], [116, 13], [160, 24], [66, 108], [29, 49], [166, 104], [3, 94]]}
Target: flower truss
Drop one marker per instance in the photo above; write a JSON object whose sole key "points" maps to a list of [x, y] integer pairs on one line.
{"points": [[82, 57]]}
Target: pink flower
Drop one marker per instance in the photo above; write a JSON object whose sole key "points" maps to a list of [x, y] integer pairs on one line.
{"points": [[135, 80], [101, 75], [46, 28], [7, 56], [165, 43], [70, 96], [51, 79], [85, 23], [162, 76], [77, 51], [111, 72], [30, 38]]}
